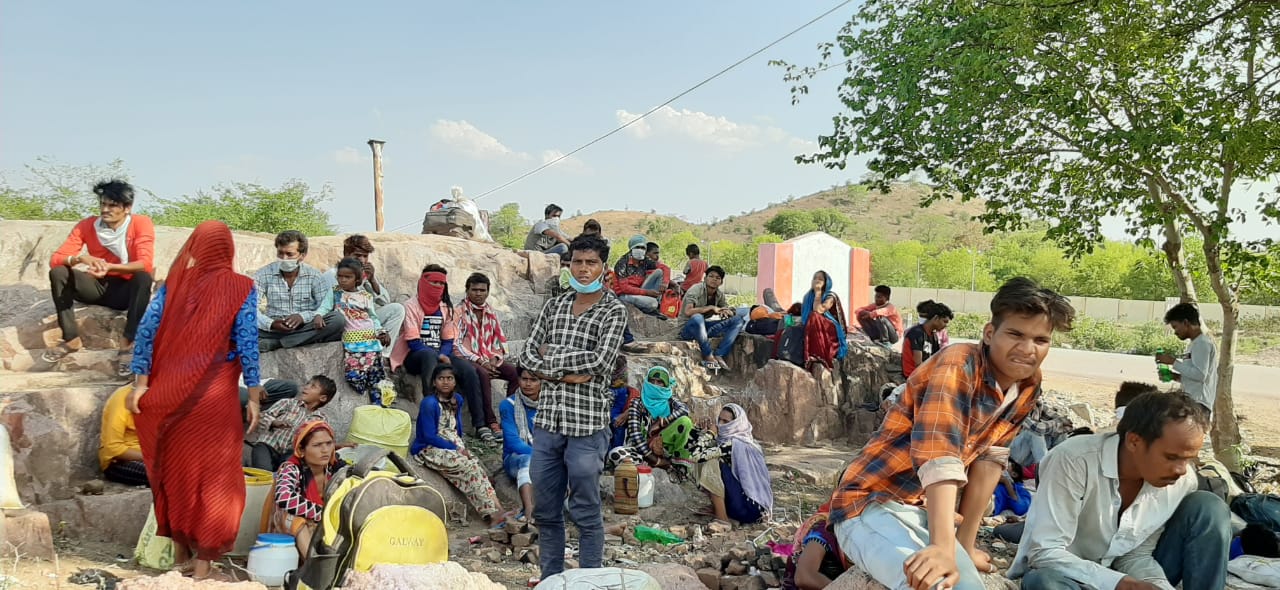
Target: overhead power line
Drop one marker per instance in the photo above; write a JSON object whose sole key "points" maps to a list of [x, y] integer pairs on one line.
{"points": [[654, 109]]}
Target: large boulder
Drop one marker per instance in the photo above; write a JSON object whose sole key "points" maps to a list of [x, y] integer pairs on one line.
{"points": [[521, 280], [55, 434]]}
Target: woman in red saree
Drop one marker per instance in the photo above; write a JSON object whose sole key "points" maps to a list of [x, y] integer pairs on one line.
{"points": [[197, 336], [824, 326]]}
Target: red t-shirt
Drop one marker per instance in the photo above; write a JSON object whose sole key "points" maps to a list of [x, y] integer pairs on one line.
{"points": [[697, 270]]}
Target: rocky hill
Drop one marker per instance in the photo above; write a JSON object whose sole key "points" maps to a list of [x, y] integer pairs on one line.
{"points": [[875, 216]]}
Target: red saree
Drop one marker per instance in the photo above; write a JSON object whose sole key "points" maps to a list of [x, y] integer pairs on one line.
{"points": [[822, 339], [190, 422]]}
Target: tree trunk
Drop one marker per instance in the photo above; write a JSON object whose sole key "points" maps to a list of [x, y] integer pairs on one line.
{"points": [[1172, 246], [1225, 430]]}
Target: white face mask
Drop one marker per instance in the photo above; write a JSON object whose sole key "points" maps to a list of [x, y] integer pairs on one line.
{"points": [[288, 265], [638, 253], [554, 222]]}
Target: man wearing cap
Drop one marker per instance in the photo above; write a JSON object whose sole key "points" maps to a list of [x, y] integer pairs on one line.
{"points": [[639, 281]]}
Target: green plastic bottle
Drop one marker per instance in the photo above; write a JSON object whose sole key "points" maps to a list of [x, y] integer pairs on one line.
{"points": [[1165, 371], [652, 535]]}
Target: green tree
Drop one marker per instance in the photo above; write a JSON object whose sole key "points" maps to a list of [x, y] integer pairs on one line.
{"points": [[51, 190], [1033, 108], [831, 221], [508, 227], [790, 224], [252, 207]]}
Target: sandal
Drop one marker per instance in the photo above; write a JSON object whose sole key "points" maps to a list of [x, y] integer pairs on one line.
{"points": [[57, 353], [124, 362], [485, 434], [497, 431]]}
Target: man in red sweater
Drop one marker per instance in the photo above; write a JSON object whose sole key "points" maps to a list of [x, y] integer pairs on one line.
{"points": [[880, 321], [117, 250]]}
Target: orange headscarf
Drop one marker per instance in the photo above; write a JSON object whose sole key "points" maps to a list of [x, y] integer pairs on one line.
{"points": [[203, 295]]}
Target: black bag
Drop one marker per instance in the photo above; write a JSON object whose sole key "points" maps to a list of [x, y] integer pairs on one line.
{"points": [[791, 345], [764, 326]]}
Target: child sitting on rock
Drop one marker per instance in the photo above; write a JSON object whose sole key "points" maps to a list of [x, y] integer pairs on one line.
{"points": [[363, 337], [272, 442], [438, 445], [517, 412]]}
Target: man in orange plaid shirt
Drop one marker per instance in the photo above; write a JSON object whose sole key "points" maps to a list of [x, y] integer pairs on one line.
{"points": [[894, 511]]}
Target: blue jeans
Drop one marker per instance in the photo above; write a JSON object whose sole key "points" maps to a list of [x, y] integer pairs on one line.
{"points": [[558, 250], [701, 330], [1192, 550], [880, 540], [568, 465]]}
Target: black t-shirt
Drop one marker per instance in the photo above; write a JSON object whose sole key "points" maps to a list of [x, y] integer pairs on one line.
{"points": [[916, 340]]}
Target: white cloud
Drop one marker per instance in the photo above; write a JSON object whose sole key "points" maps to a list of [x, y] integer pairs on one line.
{"points": [[467, 140], [710, 129], [349, 155]]}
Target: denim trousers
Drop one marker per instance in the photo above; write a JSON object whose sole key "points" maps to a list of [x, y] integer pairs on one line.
{"points": [[568, 465], [880, 540], [702, 331]]}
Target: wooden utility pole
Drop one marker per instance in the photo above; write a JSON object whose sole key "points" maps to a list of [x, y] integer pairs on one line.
{"points": [[376, 146]]}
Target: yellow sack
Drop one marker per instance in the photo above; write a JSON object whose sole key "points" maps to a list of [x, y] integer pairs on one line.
{"points": [[153, 551], [387, 428]]}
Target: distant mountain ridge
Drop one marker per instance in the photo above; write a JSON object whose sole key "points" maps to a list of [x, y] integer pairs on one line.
{"points": [[874, 216]]}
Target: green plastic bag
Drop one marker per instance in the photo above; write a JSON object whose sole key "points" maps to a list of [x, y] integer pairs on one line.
{"points": [[153, 551]]}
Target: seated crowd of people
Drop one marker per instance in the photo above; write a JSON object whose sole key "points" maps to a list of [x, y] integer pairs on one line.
{"points": [[1118, 508]]}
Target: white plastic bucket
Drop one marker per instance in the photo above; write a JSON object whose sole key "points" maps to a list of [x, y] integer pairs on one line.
{"points": [[645, 498], [271, 557], [257, 488]]}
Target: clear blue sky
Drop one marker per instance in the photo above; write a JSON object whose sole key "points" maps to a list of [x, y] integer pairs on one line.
{"points": [[465, 93]]}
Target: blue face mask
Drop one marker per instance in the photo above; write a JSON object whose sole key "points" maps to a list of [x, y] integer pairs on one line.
{"points": [[588, 288]]}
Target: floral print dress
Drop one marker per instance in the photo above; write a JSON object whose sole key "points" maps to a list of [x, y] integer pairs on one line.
{"points": [[460, 467]]}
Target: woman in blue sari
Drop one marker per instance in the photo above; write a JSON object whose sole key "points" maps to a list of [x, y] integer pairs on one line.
{"points": [[824, 324]]}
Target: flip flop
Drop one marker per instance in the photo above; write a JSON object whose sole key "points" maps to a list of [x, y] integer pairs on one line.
{"points": [[123, 361], [57, 353]]}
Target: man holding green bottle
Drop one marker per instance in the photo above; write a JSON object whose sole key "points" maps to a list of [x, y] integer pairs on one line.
{"points": [[1197, 370]]}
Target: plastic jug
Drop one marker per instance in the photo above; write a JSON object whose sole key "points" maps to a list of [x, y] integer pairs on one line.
{"points": [[626, 488], [271, 558], [644, 498]]}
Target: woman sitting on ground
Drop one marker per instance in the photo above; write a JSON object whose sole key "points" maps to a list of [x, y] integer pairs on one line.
{"points": [[816, 558], [652, 419], [301, 482], [734, 474], [438, 445], [822, 316]]}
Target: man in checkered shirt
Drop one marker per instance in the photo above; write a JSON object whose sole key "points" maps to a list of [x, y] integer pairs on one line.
{"points": [[291, 293], [573, 348]]}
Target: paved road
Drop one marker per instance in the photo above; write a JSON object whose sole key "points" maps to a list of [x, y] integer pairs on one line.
{"points": [[1250, 381]]}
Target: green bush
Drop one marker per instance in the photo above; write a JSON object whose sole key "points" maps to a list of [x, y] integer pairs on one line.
{"points": [[1088, 334]]}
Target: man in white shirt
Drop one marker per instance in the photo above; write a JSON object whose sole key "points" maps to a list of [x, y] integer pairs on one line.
{"points": [[1197, 370], [1122, 511]]}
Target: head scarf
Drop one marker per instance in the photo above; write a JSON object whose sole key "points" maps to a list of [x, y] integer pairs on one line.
{"points": [[203, 294], [656, 398], [748, 458], [429, 295], [521, 404], [310, 490], [835, 313]]}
